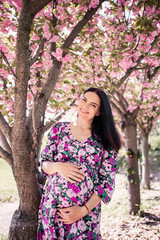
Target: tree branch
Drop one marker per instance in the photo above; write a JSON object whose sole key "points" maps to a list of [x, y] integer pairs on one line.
{"points": [[36, 6], [135, 112], [38, 52], [8, 64], [89, 14], [154, 72], [122, 101], [130, 70], [117, 109], [4, 143], [120, 105], [50, 124], [140, 126], [5, 128], [6, 156]]}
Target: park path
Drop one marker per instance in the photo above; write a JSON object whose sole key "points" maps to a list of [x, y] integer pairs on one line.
{"points": [[6, 211]]}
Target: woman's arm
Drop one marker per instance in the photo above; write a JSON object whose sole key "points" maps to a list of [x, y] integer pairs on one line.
{"points": [[92, 202], [75, 213]]}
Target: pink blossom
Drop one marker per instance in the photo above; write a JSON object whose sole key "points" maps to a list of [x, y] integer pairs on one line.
{"points": [[18, 3], [148, 10], [126, 63], [35, 37], [67, 58], [129, 38], [54, 39], [3, 47], [119, 12], [58, 54], [11, 55], [46, 33], [93, 4], [147, 85], [131, 108], [136, 55], [60, 10]]}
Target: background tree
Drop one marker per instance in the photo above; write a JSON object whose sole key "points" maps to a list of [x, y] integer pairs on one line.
{"points": [[148, 115]]}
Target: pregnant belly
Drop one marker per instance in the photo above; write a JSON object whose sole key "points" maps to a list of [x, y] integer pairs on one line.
{"points": [[68, 194]]}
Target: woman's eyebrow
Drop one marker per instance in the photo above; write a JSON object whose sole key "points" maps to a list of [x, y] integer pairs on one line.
{"points": [[91, 102]]}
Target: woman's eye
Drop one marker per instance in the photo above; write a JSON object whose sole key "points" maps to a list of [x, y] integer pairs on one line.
{"points": [[94, 106]]}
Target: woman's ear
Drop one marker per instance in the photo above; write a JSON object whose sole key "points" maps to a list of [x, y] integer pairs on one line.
{"points": [[98, 113]]}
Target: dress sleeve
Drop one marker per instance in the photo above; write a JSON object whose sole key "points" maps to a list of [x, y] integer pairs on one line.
{"points": [[106, 178], [50, 149]]}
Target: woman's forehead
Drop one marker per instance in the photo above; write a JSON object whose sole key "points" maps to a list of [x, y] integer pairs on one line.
{"points": [[93, 97]]}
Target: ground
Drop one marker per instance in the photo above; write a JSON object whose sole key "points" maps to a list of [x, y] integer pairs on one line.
{"points": [[116, 223], [122, 226], [6, 209]]}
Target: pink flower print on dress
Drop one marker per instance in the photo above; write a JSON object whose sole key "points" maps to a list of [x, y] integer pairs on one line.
{"points": [[100, 190], [75, 189], [112, 161], [74, 199], [81, 225]]}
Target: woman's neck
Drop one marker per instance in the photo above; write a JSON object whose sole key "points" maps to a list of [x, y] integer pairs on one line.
{"points": [[82, 124]]}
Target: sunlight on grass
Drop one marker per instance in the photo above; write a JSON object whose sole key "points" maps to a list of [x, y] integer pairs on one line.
{"points": [[8, 189], [118, 205], [3, 237]]}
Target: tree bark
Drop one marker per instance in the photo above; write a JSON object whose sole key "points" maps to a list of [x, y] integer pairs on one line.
{"points": [[130, 132], [145, 162], [24, 220]]}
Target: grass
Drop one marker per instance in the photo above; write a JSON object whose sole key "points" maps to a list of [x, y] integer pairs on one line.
{"points": [[3, 237], [8, 187]]}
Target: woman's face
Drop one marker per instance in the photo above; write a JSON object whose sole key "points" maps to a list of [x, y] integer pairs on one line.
{"points": [[89, 106]]}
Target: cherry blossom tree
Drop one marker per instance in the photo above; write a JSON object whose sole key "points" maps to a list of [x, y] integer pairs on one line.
{"points": [[148, 115], [137, 103], [37, 36]]}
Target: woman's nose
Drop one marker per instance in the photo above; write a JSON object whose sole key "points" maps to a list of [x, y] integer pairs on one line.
{"points": [[85, 106]]}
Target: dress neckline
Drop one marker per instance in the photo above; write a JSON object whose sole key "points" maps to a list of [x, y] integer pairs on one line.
{"points": [[76, 138]]}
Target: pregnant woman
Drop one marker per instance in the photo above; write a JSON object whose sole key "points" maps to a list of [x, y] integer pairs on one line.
{"points": [[79, 162]]}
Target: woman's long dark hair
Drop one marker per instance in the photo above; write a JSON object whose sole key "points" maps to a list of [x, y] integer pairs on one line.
{"points": [[103, 125]]}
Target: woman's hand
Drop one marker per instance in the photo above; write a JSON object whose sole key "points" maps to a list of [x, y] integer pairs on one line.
{"points": [[72, 214], [70, 172]]}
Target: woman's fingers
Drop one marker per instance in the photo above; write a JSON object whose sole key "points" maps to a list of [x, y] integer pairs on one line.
{"points": [[71, 172], [70, 214], [76, 177], [77, 171]]}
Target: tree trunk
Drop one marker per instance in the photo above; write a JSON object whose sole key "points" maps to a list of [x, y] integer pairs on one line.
{"points": [[24, 221], [145, 162], [132, 162]]}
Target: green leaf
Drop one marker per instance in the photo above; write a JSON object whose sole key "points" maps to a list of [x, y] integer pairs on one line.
{"points": [[73, 90], [66, 81]]}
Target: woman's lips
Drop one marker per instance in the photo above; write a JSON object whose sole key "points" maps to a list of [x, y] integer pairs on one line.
{"points": [[83, 112]]}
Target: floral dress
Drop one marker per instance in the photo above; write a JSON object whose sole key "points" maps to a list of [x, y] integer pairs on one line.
{"points": [[99, 166]]}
